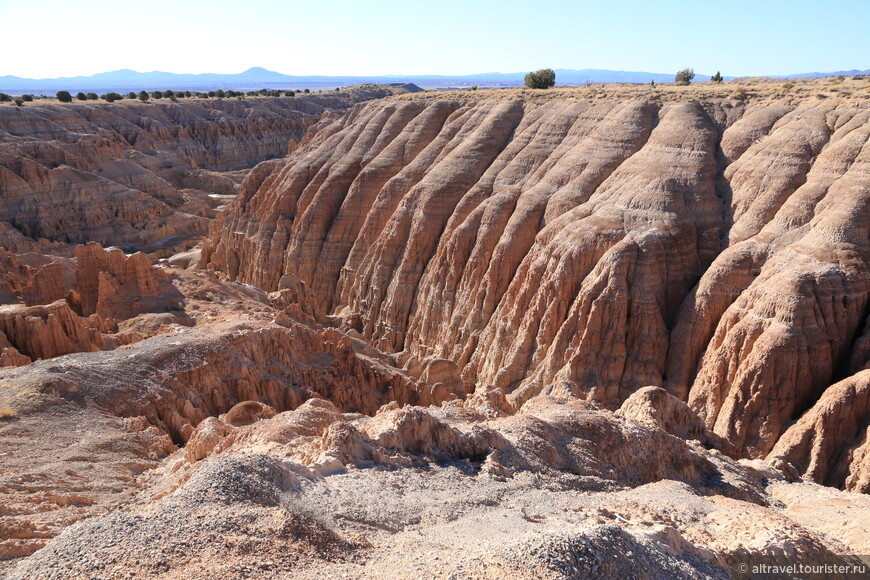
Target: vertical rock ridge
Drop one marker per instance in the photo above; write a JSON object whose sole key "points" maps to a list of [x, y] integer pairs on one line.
{"points": [[586, 248]]}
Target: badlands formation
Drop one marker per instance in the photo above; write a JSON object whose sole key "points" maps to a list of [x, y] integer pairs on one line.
{"points": [[497, 334], [144, 176]]}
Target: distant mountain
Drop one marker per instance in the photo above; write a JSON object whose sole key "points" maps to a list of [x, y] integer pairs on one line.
{"points": [[815, 75], [257, 77], [125, 80]]}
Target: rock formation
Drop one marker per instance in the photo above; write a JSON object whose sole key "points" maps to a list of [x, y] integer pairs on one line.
{"points": [[551, 489], [34, 278], [486, 334], [655, 406], [717, 248], [830, 443], [143, 176], [58, 306], [47, 331], [113, 285]]}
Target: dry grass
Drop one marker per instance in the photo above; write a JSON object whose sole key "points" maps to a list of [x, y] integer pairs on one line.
{"points": [[8, 413], [736, 90]]}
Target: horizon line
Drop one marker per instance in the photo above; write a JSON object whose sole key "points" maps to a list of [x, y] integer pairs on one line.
{"points": [[404, 74]]}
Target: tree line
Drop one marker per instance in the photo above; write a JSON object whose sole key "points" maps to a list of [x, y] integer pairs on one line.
{"points": [[67, 97]]}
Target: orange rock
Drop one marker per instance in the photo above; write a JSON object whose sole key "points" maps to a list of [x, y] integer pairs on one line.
{"points": [[33, 278], [45, 331], [247, 412], [116, 286]]}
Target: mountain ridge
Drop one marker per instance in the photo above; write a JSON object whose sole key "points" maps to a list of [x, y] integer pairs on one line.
{"points": [[259, 77]]}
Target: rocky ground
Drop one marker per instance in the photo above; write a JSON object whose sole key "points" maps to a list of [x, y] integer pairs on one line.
{"points": [[379, 475]]}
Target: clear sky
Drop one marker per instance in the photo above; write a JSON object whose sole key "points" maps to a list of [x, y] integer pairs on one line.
{"points": [[50, 38]]}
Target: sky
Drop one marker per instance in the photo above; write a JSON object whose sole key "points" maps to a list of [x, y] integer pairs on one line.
{"points": [[53, 38]]}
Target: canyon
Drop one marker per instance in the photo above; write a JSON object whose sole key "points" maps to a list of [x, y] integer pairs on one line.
{"points": [[483, 334], [142, 176]]}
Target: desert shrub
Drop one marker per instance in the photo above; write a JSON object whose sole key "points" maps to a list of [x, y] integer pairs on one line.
{"points": [[112, 97], [187, 94], [81, 96], [156, 94], [4, 98], [684, 77], [92, 96], [306, 91], [64, 97], [716, 78], [542, 79], [27, 98], [131, 95], [19, 101], [289, 93], [143, 96], [219, 93]]}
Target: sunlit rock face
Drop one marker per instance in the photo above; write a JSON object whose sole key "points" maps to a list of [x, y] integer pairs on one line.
{"points": [[717, 248]]}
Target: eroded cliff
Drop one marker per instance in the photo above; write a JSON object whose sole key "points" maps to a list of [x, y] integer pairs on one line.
{"points": [[142, 176], [716, 246]]}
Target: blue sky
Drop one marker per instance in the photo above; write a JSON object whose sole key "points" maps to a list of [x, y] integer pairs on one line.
{"points": [[371, 37]]}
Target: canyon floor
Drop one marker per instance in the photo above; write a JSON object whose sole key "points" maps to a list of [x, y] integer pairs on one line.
{"points": [[600, 332]]}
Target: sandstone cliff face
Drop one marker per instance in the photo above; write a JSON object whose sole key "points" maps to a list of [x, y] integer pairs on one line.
{"points": [[830, 443], [54, 306], [138, 175], [716, 248], [115, 286], [45, 332], [34, 278]]}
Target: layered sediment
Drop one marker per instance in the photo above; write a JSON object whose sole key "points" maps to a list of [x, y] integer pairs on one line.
{"points": [[494, 334], [58, 306], [143, 176], [716, 247]]}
